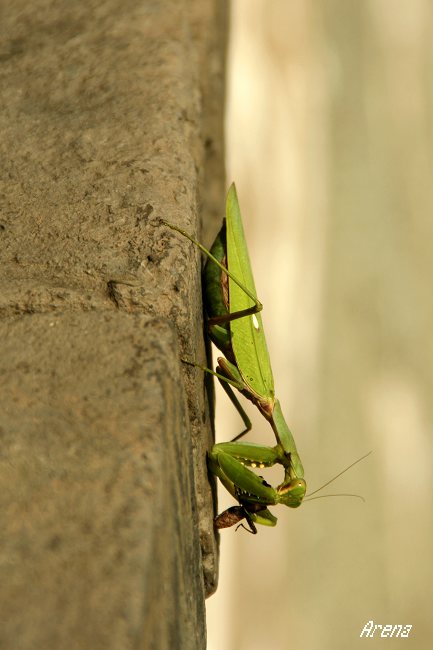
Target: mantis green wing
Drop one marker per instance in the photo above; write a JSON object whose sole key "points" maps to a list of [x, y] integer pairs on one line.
{"points": [[248, 339]]}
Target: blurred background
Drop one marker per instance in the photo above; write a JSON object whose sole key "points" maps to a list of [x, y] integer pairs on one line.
{"points": [[329, 140]]}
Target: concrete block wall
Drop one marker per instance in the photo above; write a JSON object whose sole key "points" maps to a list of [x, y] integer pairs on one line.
{"points": [[111, 120]]}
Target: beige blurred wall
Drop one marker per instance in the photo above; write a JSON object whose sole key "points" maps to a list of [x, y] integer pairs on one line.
{"points": [[329, 137]]}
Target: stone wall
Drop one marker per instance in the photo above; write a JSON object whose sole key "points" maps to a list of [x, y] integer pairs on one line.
{"points": [[111, 120]]}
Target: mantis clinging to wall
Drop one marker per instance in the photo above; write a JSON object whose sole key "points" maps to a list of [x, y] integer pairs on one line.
{"points": [[235, 327]]}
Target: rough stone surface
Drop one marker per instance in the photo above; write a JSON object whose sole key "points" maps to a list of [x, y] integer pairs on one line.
{"points": [[110, 121], [90, 410]]}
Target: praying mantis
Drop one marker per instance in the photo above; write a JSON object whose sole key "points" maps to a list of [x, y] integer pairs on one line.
{"points": [[235, 326]]}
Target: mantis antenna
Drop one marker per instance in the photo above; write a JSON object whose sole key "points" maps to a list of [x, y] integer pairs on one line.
{"points": [[334, 478]]}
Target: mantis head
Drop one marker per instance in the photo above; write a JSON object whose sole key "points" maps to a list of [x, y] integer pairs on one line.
{"points": [[291, 494]]}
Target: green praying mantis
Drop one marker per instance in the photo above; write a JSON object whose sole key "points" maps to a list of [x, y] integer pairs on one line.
{"points": [[235, 326]]}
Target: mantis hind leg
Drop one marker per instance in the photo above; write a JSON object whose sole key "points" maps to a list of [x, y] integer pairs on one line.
{"points": [[225, 318]]}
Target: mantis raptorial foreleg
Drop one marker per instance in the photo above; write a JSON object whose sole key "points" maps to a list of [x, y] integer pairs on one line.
{"points": [[231, 462]]}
